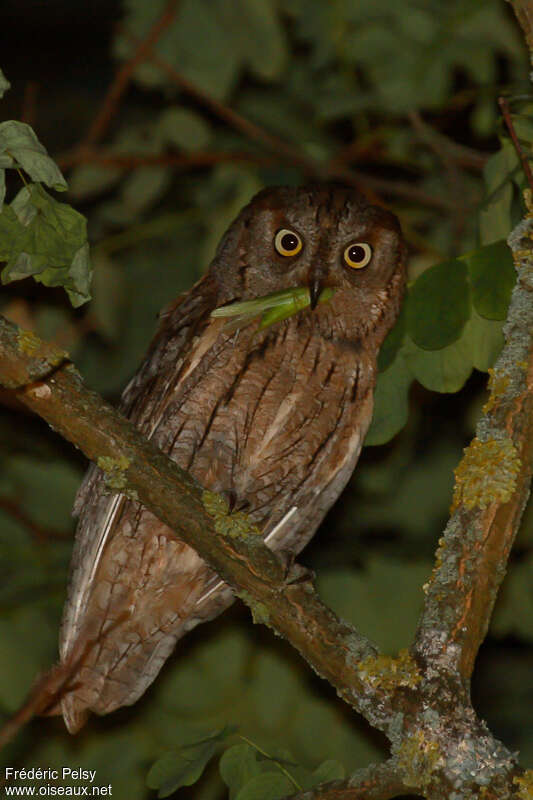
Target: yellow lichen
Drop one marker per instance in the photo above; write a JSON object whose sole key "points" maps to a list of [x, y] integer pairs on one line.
{"points": [[214, 504], [236, 525], [525, 785], [389, 672], [497, 385], [438, 564], [418, 758], [486, 474], [440, 552], [114, 469], [30, 344]]}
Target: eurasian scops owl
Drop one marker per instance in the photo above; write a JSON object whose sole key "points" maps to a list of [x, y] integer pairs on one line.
{"points": [[273, 418]]}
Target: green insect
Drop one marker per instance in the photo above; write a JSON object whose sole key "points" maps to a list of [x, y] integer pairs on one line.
{"points": [[271, 308]]}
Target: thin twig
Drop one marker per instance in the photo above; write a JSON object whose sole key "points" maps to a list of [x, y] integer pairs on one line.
{"points": [[41, 534], [449, 151], [185, 160], [124, 73], [236, 121], [504, 105], [288, 152], [452, 173]]}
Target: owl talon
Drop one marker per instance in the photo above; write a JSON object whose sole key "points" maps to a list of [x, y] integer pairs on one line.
{"points": [[299, 574], [235, 503], [231, 498], [294, 573]]}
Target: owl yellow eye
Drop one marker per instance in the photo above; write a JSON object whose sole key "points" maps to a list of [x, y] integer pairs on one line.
{"points": [[287, 242], [357, 255]]}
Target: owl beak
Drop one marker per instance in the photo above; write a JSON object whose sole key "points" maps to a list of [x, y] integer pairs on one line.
{"points": [[316, 285]]}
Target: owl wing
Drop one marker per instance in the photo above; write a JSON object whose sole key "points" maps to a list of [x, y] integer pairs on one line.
{"points": [[143, 402], [276, 419]]}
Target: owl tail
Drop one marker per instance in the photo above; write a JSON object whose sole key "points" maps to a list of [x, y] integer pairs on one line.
{"points": [[106, 679], [42, 700], [81, 684]]}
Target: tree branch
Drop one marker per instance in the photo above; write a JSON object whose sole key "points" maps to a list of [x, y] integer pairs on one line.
{"points": [[375, 782], [491, 490], [281, 597], [524, 14]]}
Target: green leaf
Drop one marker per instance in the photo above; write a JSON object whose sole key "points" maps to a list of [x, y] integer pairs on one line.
{"points": [[495, 216], [108, 296], [224, 193], [492, 277], [234, 35], [10, 231], [183, 128], [444, 370], [266, 786], [143, 187], [19, 141], [2, 188], [485, 340], [89, 180], [329, 770], [260, 37], [178, 769], [49, 243], [438, 305], [213, 66], [4, 84], [238, 766], [23, 205], [79, 275], [184, 766], [390, 402], [392, 343]]}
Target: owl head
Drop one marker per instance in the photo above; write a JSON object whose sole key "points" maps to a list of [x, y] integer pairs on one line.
{"points": [[317, 236]]}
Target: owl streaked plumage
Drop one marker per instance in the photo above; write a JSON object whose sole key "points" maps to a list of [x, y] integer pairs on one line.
{"points": [[275, 419]]}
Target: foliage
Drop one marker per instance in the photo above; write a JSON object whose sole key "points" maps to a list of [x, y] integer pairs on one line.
{"points": [[38, 235], [403, 94], [248, 771], [454, 314]]}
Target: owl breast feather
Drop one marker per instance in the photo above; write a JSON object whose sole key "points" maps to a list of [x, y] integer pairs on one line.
{"points": [[274, 421]]}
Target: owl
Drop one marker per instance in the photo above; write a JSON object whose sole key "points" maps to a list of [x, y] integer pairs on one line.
{"points": [[271, 417]]}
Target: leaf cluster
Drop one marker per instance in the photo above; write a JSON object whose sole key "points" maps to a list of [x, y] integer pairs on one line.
{"points": [[40, 237], [249, 772], [451, 323]]}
